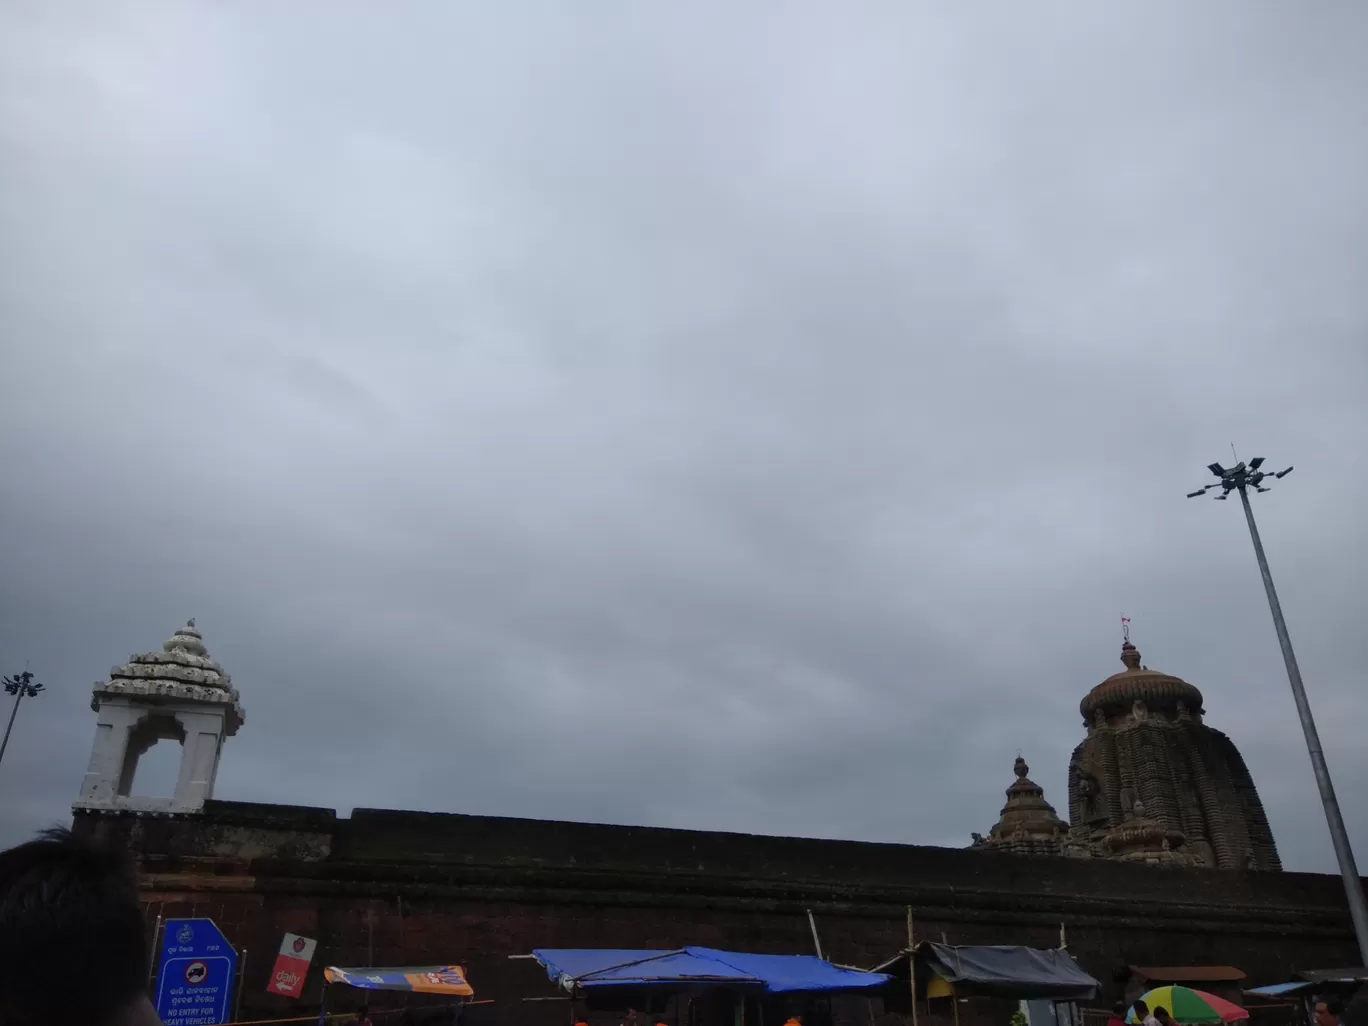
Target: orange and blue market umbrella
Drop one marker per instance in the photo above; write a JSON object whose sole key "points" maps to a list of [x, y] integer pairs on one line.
{"points": [[1190, 1006]]}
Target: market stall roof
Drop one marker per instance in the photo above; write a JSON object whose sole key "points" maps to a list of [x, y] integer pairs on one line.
{"points": [[1002, 970], [431, 979], [573, 968], [1283, 989], [1310, 981], [1358, 974], [1188, 973]]}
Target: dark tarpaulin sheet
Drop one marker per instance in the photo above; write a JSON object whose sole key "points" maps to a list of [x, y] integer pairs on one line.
{"points": [[598, 967], [1006, 971]]}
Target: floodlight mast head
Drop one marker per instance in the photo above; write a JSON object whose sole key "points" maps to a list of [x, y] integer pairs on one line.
{"points": [[1240, 477]]}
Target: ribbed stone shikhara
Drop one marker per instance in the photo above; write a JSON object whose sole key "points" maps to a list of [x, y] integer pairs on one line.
{"points": [[1147, 746], [178, 694], [1150, 783]]}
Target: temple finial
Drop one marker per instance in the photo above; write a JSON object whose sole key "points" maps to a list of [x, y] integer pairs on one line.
{"points": [[1130, 655]]}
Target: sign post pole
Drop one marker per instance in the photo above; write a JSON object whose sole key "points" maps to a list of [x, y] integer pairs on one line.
{"points": [[242, 975], [152, 959]]}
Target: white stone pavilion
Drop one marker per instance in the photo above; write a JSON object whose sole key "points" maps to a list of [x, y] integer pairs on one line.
{"points": [[177, 694]]}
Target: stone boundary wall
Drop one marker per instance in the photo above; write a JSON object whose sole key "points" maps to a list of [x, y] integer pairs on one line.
{"points": [[389, 887]]}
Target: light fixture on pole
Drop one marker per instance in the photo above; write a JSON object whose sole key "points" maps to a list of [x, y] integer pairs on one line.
{"points": [[21, 686], [1241, 478]]}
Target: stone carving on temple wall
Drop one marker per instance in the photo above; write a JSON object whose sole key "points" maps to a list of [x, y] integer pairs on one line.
{"points": [[1144, 839]]}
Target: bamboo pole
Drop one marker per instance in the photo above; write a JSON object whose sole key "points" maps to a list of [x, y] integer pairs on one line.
{"points": [[954, 995], [911, 965], [812, 923]]}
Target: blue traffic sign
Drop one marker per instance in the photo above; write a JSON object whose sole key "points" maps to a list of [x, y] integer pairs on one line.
{"points": [[195, 977]]}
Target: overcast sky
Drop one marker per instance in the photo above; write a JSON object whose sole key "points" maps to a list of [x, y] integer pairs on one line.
{"points": [[746, 417]]}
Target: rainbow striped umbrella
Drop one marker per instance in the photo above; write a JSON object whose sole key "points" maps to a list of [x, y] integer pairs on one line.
{"points": [[1190, 1006]]}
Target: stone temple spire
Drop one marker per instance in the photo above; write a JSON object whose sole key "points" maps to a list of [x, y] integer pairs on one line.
{"points": [[1147, 748], [1028, 824], [177, 694]]}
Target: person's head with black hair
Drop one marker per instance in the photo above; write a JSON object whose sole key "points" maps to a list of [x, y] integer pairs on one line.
{"points": [[73, 942], [1329, 1011], [1141, 1009]]}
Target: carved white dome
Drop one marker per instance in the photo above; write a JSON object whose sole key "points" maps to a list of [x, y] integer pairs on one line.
{"points": [[181, 671]]}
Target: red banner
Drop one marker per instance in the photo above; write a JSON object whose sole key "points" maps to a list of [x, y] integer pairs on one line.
{"points": [[292, 966]]}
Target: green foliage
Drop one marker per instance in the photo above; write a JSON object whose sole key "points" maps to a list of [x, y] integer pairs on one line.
{"points": [[1018, 1018]]}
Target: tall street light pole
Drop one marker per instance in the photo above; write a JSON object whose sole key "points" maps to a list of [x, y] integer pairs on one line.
{"points": [[21, 686], [1241, 478]]}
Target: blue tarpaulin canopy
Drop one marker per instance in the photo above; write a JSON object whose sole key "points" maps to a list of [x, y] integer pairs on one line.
{"points": [[1311, 981], [573, 968], [1283, 989]]}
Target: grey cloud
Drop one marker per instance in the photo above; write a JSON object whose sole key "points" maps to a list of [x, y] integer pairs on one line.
{"points": [[708, 418]]}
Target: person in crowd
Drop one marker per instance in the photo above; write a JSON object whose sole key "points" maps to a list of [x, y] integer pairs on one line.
{"points": [[1118, 1015], [630, 1019], [363, 1016], [1143, 1016], [73, 941], [1355, 1012], [1329, 1012], [1162, 1015]]}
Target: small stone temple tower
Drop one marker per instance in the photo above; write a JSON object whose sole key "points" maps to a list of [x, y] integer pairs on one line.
{"points": [[1028, 825], [1151, 777], [176, 694]]}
